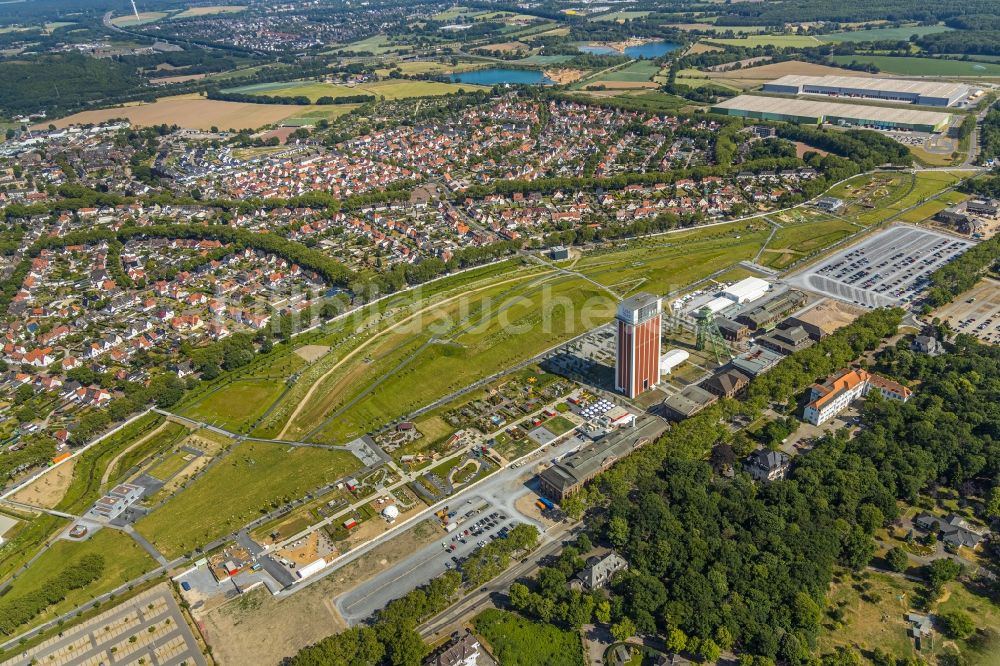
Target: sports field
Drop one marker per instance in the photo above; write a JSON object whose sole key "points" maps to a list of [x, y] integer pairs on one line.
{"points": [[255, 478], [923, 66]]}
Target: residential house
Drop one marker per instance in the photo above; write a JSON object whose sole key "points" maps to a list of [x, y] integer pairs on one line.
{"points": [[767, 465]]}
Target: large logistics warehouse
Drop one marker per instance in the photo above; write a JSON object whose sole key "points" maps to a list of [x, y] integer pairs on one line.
{"points": [[928, 93], [816, 113]]}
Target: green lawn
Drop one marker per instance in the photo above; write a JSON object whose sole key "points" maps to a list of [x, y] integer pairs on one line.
{"points": [[255, 478], [124, 560], [25, 540], [881, 34], [516, 641], [169, 466], [237, 405], [558, 425], [922, 66]]}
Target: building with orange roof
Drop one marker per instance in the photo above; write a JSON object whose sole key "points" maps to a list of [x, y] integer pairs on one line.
{"points": [[831, 398]]}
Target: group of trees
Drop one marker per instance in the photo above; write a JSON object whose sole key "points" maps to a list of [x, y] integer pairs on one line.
{"points": [[19, 608], [964, 272], [302, 100]]}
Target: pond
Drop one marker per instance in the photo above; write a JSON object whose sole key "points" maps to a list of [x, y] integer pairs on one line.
{"points": [[492, 77]]}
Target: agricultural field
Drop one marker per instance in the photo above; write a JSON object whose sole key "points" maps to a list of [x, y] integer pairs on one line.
{"points": [[124, 560], [390, 89], [378, 44], [191, 112], [638, 71], [425, 67], [238, 405], [902, 33], [192, 12], [512, 639], [906, 66], [622, 16], [254, 478], [144, 17], [779, 41]]}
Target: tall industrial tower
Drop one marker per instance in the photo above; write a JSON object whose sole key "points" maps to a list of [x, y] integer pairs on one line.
{"points": [[637, 360]]}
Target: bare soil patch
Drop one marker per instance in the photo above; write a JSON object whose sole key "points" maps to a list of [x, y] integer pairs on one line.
{"points": [[563, 76], [48, 491], [265, 630], [802, 148], [311, 353]]}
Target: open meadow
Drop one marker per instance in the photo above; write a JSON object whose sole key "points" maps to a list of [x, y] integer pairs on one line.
{"points": [[253, 479], [389, 89]]}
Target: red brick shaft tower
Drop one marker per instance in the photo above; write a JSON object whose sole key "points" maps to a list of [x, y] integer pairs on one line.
{"points": [[637, 363]]}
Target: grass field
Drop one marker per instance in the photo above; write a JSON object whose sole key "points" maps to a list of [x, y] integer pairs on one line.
{"points": [[779, 41], [170, 465], [379, 45], [882, 34], [516, 641], [255, 478], [802, 240], [239, 405], [124, 560], [558, 425], [498, 325], [923, 66]]}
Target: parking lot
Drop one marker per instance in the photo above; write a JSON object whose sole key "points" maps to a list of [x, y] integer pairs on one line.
{"points": [[888, 269], [977, 312], [482, 517]]}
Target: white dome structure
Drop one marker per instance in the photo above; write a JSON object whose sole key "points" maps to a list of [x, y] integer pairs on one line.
{"points": [[390, 513]]}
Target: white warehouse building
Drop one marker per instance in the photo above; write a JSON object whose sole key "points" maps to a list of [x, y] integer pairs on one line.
{"points": [[928, 93], [746, 291], [672, 359]]}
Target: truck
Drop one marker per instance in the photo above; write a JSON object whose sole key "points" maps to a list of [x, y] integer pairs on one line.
{"points": [[545, 503], [451, 527]]}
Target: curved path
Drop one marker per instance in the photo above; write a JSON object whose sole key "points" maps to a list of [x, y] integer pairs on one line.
{"points": [[312, 389], [111, 465]]}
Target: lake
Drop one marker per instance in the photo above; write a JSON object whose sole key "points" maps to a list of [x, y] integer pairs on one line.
{"points": [[651, 50], [492, 77]]}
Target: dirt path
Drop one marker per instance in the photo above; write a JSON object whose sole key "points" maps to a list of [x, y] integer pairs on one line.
{"points": [[111, 465], [312, 389]]}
